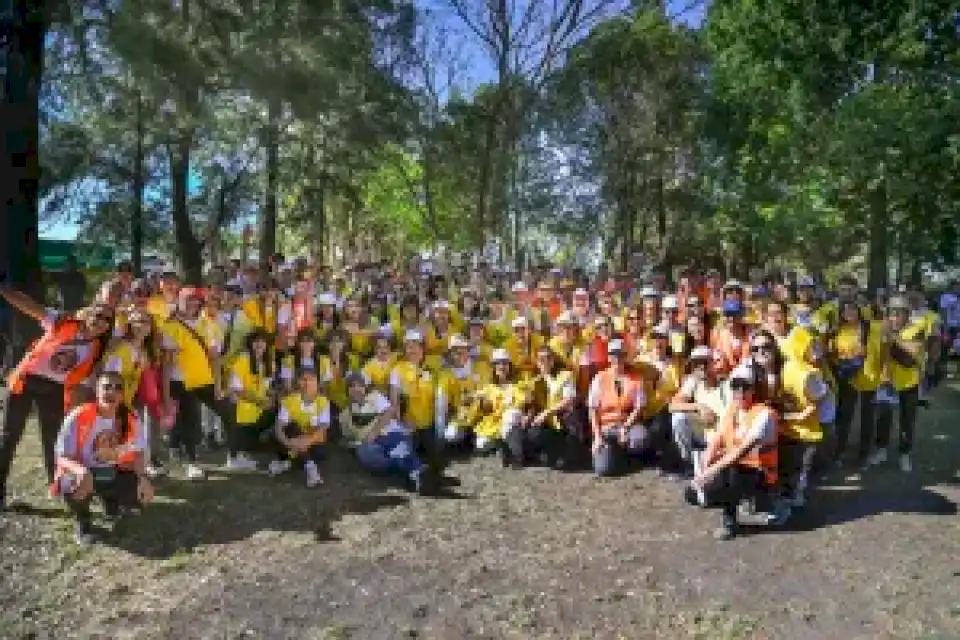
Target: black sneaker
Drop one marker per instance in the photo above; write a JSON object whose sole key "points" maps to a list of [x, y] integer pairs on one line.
{"points": [[83, 534], [3, 499]]}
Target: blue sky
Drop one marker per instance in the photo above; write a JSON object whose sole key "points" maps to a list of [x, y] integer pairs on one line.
{"points": [[477, 64]]}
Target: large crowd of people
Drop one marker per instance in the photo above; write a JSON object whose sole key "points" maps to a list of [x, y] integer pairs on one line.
{"points": [[740, 392]]}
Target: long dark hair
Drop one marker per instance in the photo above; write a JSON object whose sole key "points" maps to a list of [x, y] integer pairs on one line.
{"points": [[298, 352], [268, 362], [123, 411]]}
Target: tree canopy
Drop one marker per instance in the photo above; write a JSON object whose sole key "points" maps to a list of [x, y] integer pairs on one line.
{"points": [[792, 134]]}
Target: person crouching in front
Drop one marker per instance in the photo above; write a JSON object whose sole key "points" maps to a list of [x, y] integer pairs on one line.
{"points": [[100, 452], [615, 403], [301, 431], [369, 422], [743, 458]]}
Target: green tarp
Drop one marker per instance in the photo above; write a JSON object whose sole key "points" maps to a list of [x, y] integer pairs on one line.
{"points": [[53, 255]]}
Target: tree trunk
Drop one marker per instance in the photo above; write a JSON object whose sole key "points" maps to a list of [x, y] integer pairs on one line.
{"points": [[22, 59], [139, 181], [268, 222], [878, 241], [188, 247]]}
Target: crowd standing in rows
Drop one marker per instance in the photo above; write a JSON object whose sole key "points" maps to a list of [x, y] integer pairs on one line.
{"points": [[736, 390]]}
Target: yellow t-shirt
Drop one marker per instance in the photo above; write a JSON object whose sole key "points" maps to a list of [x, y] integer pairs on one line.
{"points": [[242, 379]]}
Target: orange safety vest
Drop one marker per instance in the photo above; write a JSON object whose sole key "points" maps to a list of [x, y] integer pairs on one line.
{"points": [[62, 332], [763, 457], [86, 420], [302, 312], [615, 407]]}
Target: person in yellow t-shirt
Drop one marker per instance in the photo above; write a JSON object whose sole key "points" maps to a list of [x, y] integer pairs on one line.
{"points": [[552, 430], [499, 405], [456, 389], [303, 421], [854, 353], [903, 345], [377, 369], [251, 374], [413, 391]]}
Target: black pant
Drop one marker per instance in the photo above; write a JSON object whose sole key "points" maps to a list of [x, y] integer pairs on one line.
{"points": [[186, 432], [247, 437], [564, 443], [908, 420], [431, 448], [47, 395], [847, 399], [121, 491], [314, 454], [738, 484]]}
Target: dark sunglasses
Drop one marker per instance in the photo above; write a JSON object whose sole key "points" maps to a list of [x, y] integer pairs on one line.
{"points": [[633, 318], [111, 386], [740, 385], [761, 348]]}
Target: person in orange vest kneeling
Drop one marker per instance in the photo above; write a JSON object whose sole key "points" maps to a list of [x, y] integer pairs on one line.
{"points": [[100, 452], [615, 402], [741, 463]]}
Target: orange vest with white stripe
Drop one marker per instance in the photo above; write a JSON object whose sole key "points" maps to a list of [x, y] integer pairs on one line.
{"points": [[763, 457], [86, 420], [45, 347]]}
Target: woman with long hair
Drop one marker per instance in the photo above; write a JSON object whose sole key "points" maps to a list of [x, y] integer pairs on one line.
{"points": [[251, 374]]}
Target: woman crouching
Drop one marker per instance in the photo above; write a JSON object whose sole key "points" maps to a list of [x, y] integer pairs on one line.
{"points": [[100, 452], [383, 444], [743, 457], [301, 430]]}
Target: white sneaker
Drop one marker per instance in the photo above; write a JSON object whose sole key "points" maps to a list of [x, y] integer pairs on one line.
{"points": [[241, 462], [314, 479], [194, 472], [175, 456], [278, 467], [879, 457], [153, 471], [905, 465]]}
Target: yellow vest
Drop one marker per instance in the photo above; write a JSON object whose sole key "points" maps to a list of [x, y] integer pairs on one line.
{"points": [[847, 342], [795, 375], [192, 358], [548, 392], [257, 385], [379, 373], [302, 414], [499, 398], [524, 356], [455, 391], [130, 369], [901, 377], [569, 355], [418, 387]]}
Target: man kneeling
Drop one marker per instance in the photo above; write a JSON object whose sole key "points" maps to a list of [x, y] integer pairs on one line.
{"points": [[383, 444], [100, 452]]}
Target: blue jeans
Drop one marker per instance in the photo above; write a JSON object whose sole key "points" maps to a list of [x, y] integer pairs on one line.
{"points": [[390, 452]]}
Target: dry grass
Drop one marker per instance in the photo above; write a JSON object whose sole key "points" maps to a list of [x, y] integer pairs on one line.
{"points": [[530, 554]]}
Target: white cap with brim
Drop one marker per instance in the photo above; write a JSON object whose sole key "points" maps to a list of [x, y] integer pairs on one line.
{"points": [[500, 355], [701, 353], [615, 346], [413, 336]]}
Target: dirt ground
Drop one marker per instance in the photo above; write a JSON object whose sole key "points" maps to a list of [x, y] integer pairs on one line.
{"points": [[514, 554]]}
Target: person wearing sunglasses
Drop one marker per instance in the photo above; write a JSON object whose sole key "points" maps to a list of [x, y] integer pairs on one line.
{"points": [[697, 407], [50, 375], [615, 403], [99, 452], [742, 462]]}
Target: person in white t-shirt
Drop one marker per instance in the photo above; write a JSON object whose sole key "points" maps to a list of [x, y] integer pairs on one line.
{"points": [[383, 444]]}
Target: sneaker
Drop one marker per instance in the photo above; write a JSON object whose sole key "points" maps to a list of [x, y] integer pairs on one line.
{"points": [[83, 534], [241, 462], [905, 464], [3, 500], [194, 472], [727, 530], [780, 513], [879, 457], [277, 467], [154, 471], [314, 479]]}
